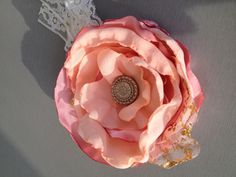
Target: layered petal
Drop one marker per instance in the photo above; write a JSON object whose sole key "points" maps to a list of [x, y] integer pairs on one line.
{"points": [[116, 152], [197, 90], [128, 38], [63, 96], [128, 68], [88, 70], [156, 83], [160, 118], [182, 63], [108, 64], [96, 99], [133, 24], [126, 135]]}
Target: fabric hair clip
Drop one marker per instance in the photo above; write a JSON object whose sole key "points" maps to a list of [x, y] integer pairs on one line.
{"points": [[126, 93]]}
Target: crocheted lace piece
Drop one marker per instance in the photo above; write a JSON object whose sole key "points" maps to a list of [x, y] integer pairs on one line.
{"points": [[67, 17]]}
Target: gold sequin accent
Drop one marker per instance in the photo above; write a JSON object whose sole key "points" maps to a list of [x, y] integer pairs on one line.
{"points": [[187, 132], [72, 102], [170, 164]]}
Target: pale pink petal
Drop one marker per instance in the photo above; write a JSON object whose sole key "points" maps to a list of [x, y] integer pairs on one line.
{"points": [[128, 112], [160, 118], [182, 64], [72, 65], [156, 81], [197, 91], [87, 72], [68, 117], [108, 61], [182, 60], [132, 23], [118, 153], [88, 69], [128, 38], [63, 96], [76, 53], [141, 118], [96, 99], [93, 153], [126, 135]]}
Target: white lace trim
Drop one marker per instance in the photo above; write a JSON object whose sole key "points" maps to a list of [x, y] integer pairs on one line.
{"points": [[67, 17]]}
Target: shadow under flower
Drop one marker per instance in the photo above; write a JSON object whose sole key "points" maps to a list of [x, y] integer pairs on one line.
{"points": [[12, 162]]}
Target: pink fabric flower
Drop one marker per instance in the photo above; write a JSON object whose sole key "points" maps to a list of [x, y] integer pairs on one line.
{"points": [[155, 127]]}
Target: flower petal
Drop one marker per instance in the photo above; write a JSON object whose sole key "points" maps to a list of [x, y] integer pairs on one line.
{"points": [[63, 96], [107, 62], [182, 64], [128, 38], [128, 112], [132, 23], [88, 69], [93, 153], [126, 135], [96, 99], [155, 81], [118, 153], [160, 118], [72, 65], [197, 90]]}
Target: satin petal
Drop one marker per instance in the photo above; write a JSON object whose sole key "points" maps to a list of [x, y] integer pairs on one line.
{"points": [[128, 112], [128, 38], [133, 24], [96, 99], [63, 96], [108, 62], [118, 153], [156, 83], [160, 118], [126, 135], [183, 65]]}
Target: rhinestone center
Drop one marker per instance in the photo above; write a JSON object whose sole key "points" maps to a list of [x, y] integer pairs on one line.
{"points": [[124, 90]]}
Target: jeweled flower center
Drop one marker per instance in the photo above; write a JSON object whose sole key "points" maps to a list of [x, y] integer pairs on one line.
{"points": [[124, 90]]}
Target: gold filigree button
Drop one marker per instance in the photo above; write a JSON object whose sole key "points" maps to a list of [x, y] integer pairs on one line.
{"points": [[124, 90]]}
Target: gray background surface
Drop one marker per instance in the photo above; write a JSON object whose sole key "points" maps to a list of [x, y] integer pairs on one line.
{"points": [[34, 144]]}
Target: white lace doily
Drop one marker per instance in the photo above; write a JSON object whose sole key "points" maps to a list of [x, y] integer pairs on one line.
{"points": [[67, 17]]}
